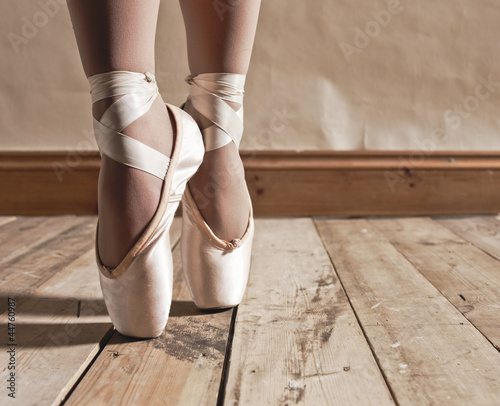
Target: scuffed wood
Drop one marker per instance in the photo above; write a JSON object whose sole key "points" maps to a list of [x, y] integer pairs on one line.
{"points": [[182, 367], [6, 219], [296, 338], [58, 328], [25, 233], [62, 323], [429, 352], [468, 277], [24, 273], [482, 231]]}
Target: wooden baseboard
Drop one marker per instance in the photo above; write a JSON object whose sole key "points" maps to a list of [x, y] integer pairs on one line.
{"points": [[283, 183]]}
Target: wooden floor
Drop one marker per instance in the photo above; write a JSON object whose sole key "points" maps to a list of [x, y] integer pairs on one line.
{"points": [[382, 311]]}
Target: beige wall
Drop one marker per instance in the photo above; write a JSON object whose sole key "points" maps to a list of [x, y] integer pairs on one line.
{"points": [[317, 79]]}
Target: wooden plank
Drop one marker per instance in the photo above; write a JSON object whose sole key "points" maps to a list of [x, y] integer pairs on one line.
{"points": [[37, 248], [22, 234], [429, 352], [463, 273], [482, 231], [366, 192], [6, 219], [296, 337], [25, 233], [325, 182], [60, 327], [23, 274], [182, 367], [49, 183]]}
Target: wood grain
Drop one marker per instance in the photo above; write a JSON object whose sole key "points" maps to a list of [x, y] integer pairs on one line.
{"points": [[418, 325], [60, 314], [22, 274], [23, 235], [463, 273], [182, 367], [430, 354], [296, 338], [482, 231], [6, 219], [61, 325], [49, 183], [283, 183]]}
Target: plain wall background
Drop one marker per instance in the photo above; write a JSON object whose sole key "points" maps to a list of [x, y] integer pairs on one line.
{"points": [[325, 74]]}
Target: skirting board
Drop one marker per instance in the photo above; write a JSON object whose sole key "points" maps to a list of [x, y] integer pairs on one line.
{"points": [[283, 183]]}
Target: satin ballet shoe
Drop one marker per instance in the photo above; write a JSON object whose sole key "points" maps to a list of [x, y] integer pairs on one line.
{"points": [[138, 292], [216, 271]]}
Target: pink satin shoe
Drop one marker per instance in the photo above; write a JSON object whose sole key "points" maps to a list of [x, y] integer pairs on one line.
{"points": [[216, 270], [138, 292]]}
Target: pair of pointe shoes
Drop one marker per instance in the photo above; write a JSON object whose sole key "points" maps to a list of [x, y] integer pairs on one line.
{"points": [[138, 292]]}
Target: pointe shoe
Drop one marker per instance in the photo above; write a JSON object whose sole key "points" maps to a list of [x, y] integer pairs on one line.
{"points": [[216, 271], [138, 292]]}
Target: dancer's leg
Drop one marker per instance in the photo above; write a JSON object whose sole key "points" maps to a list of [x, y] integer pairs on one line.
{"points": [[220, 40], [119, 35]]}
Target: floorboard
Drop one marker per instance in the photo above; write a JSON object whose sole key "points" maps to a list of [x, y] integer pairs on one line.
{"points": [[367, 311], [24, 273], [428, 351], [182, 367], [58, 328], [467, 276], [482, 231], [25, 233], [296, 339]]}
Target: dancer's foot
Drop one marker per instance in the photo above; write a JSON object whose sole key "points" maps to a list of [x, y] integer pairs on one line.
{"points": [[128, 197], [219, 188], [217, 223], [137, 288], [220, 192]]}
